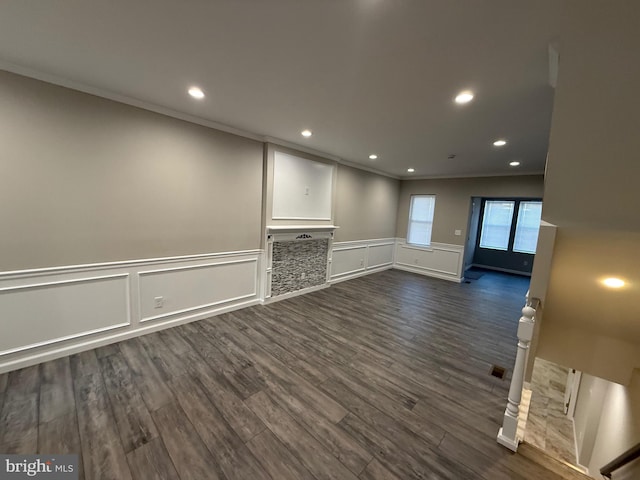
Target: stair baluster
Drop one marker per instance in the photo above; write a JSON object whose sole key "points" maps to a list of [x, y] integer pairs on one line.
{"points": [[508, 433]]}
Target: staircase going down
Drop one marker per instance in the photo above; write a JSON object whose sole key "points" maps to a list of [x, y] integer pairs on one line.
{"points": [[557, 468]]}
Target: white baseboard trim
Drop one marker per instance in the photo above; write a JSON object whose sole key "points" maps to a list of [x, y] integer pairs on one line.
{"points": [[76, 347], [498, 269], [359, 273], [427, 272], [196, 307], [578, 465], [284, 296]]}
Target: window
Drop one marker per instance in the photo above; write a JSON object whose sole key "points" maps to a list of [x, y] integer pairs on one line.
{"points": [[496, 224], [510, 225], [527, 227], [421, 219]]}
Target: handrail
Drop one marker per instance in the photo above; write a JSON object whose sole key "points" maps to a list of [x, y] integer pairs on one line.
{"points": [[620, 461]]}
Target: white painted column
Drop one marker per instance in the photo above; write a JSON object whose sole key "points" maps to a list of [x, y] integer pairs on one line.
{"points": [[507, 436]]}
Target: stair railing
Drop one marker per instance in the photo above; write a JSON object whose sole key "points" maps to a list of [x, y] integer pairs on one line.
{"points": [[508, 433], [620, 461]]}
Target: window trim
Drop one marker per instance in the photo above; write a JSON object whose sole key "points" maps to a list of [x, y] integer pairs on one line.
{"points": [[410, 221]]}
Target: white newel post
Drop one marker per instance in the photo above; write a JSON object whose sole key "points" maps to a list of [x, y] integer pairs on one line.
{"points": [[507, 435]]}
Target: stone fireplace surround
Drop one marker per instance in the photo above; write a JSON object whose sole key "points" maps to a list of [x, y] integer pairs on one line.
{"points": [[298, 259]]}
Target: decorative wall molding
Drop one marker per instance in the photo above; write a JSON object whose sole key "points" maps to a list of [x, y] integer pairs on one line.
{"points": [[302, 188], [122, 263], [361, 257], [196, 287], [55, 301], [309, 219], [440, 260], [58, 311], [52, 312]]}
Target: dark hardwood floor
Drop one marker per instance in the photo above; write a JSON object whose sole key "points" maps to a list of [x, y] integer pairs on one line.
{"points": [[381, 377]]}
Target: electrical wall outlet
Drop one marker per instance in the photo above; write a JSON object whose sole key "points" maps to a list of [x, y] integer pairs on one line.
{"points": [[158, 302]]}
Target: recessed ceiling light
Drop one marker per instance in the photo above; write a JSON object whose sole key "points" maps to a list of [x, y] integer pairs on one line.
{"points": [[373, 156], [306, 133], [410, 170], [464, 97], [613, 282], [500, 143], [514, 164], [196, 92]]}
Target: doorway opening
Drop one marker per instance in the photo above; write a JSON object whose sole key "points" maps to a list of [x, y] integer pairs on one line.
{"points": [[503, 234]]}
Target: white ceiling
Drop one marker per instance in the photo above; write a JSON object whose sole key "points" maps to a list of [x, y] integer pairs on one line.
{"points": [[367, 76]]}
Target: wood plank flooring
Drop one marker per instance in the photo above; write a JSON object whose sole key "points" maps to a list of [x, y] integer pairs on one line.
{"points": [[385, 377]]}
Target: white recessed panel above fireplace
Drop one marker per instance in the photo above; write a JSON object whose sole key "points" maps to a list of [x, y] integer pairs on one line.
{"points": [[302, 188]]}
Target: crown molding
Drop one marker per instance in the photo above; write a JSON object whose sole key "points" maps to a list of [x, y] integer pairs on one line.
{"points": [[471, 175]]}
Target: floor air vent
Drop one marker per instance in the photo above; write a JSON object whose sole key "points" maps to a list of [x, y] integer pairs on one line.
{"points": [[498, 372]]}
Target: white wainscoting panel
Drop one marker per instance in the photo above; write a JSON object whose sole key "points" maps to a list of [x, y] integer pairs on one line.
{"points": [[380, 255], [439, 260], [51, 312], [43, 313], [184, 289], [354, 258], [348, 260]]}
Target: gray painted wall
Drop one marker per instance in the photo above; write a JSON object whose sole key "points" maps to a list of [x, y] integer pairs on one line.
{"points": [[366, 205], [86, 180], [586, 418], [453, 201], [607, 421], [591, 193], [593, 168]]}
